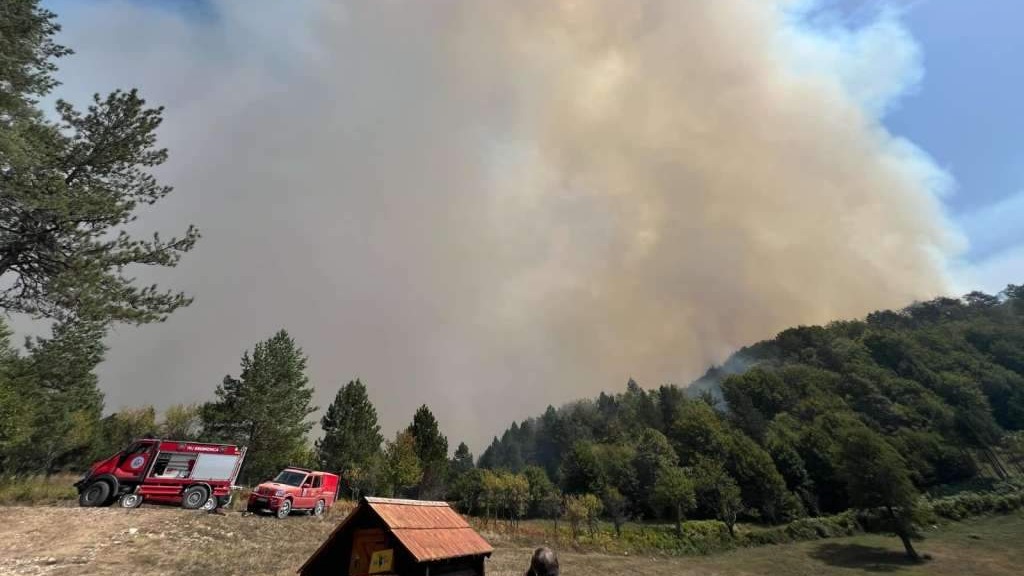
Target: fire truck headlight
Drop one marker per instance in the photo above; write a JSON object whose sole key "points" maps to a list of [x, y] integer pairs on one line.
{"points": [[279, 493]]}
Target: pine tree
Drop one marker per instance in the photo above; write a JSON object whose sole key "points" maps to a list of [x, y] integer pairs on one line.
{"points": [[61, 398], [432, 451], [13, 413], [265, 409], [351, 432], [462, 461], [71, 188]]}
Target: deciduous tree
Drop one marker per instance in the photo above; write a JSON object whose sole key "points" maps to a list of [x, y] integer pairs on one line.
{"points": [[402, 468], [717, 490], [181, 422], [876, 477], [674, 490]]}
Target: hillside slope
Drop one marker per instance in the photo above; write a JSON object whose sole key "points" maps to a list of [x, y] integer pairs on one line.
{"points": [[942, 381]]}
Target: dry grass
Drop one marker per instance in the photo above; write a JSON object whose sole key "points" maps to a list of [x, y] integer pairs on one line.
{"points": [[34, 490], [166, 540]]}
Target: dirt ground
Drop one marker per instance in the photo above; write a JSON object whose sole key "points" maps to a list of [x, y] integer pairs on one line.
{"points": [[165, 540]]}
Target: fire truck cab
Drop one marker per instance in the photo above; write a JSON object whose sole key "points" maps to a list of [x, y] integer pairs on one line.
{"points": [[196, 474]]}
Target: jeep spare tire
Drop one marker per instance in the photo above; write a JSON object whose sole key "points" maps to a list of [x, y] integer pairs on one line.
{"points": [[95, 494]]}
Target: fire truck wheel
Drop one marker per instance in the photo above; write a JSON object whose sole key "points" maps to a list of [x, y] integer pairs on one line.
{"points": [[194, 497], [319, 509], [284, 509], [95, 494], [130, 501]]}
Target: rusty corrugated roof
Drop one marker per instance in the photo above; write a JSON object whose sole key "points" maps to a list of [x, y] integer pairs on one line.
{"points": [[429, 530], [416, 514], [438, 544]]}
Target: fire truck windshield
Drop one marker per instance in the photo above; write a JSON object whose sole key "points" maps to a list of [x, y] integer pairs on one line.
{"points": [[290, 477]]}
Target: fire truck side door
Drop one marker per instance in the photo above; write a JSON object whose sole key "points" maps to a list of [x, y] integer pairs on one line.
{"points": [[134, 462]]}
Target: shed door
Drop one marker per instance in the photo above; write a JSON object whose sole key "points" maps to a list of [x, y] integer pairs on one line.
{"points": [[364, 544]]}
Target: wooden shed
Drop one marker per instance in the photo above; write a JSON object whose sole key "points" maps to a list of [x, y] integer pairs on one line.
{"points": [[402, 537]]}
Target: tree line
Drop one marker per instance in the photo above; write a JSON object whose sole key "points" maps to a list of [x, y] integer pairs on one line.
{"points": [[53, 419], [817, 420]]}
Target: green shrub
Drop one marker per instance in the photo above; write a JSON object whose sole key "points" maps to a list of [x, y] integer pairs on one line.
{"points": [[1007, 498], [844, 524]]}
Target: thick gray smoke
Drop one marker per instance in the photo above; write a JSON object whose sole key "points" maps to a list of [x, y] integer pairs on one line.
{"points": [[493, 206]]}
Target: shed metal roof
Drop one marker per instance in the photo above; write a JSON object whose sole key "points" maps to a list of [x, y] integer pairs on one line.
{"points": [[429, 530]]}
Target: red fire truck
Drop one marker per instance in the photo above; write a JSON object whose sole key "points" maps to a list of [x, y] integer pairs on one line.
{"points": [[196, 474]]}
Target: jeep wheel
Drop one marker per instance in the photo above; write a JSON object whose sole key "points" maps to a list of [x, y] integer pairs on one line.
{"points": [[95, 494], [130, 501], [318, 510], [194, 497], [285, 509], [210, 504]]}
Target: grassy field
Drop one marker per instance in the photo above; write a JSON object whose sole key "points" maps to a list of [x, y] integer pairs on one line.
{"points": [[73, 541]]}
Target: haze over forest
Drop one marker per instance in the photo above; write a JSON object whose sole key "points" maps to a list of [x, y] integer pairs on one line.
{"points": [[492, 207]]}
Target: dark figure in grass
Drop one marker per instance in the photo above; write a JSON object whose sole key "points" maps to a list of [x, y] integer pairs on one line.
{"points": [[543, 563]]}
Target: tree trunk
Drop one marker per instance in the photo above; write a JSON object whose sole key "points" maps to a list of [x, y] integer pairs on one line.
{"points": [[903, 533], [911, 553]]}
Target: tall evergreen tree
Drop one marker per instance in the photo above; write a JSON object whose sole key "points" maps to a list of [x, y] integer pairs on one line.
{"points": [[431, 450], [265, 409], [462, 461], [71, 188], [13, 413], [59, 391], [351, 432]]}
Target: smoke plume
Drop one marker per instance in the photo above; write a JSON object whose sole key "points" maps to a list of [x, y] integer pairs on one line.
{"points": [[491, 206]]}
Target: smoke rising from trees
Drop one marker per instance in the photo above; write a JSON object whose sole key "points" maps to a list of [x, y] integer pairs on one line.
{"points": [[492, 206]]}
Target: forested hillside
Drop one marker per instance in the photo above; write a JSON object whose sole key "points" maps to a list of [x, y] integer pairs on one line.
{"points": [[941, 382]]}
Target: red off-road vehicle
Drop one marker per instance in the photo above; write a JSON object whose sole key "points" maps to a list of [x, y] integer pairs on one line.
{"points": [[196, 474], [295, 489]]}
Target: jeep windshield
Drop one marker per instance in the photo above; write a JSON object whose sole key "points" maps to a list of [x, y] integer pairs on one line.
{"points": [[290, 477]]}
